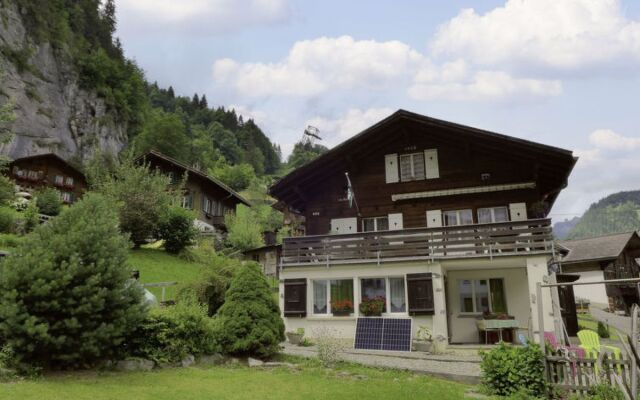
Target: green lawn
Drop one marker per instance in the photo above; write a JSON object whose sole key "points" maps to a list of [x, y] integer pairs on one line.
{"points": [[587, 321], [310, 382], [155, 265]]}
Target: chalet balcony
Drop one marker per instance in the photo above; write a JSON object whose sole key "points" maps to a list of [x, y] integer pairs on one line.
{"points": [[465, 241]]}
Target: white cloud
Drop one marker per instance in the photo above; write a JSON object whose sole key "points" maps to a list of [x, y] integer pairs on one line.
{"points": [[355, 120], [198, 16], [610, 140], [315, 67], [566, 34]]}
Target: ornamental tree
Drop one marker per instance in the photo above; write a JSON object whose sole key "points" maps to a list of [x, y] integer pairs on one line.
{"points": [[66, 299]]}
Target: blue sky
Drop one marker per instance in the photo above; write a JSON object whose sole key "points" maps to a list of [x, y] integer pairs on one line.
{"points": [[563, 73]]}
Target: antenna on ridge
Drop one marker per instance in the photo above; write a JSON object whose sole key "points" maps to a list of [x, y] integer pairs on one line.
{"points": [[310, 135]]}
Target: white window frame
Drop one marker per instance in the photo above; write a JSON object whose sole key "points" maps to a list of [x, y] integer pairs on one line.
{"points": [[412, 164], [375, 223], [68, 181], [387, 290], [473, 295], [444, 219], [492, 211], [329, 312]]}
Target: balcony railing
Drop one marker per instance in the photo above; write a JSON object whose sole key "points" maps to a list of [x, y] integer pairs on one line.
{"points": [[478, 240]]}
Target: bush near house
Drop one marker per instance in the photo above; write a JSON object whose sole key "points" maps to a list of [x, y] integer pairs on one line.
{"points": [[176, 229], [507, 370], [48, 201], [65, 300], [249, 323]]}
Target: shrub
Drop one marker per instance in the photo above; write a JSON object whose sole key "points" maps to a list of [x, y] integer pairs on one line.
{"points": [[7, 190], [211, 288], [30, 218], [65, 295], [603, 330], [48, 201], [604, 392], [168, 335], [7, 220], [329, 347], [176, 229], [249, 323], [245, 232], [10, 241], [508, 369]]}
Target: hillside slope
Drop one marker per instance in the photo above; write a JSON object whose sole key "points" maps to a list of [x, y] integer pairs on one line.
{"points": [[619, 212]]}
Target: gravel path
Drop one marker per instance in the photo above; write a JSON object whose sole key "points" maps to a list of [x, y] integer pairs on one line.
{"points": [[620, 322], [454, 367]]}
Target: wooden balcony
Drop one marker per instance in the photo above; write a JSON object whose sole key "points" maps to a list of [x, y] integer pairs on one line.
{"points": [[478, 240]]}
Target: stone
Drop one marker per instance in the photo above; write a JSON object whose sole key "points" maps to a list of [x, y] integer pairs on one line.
{"points": [[188, 360], [233, 361], [212, 359], [255, 362], [135, 364], [279, 364]]}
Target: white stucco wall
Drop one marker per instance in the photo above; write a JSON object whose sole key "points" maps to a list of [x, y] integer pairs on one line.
{"points": [[594, 293]]}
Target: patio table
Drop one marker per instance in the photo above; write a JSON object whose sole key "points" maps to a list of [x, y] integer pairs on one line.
{"points": [[488, 325]]}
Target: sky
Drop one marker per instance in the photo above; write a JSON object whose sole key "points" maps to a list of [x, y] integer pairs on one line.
{"points": [[563, 73]]}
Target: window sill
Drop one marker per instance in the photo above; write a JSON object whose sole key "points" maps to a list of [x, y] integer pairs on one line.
{"points": [[469, 315], [331, 318]]}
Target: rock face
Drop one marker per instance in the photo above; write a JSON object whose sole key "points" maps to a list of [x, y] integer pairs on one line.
{"points": [[53, 114]]}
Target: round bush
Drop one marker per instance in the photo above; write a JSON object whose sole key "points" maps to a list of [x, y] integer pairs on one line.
{"points": [[48, 202], [176, 229], [249, 323], [7, 220], [66, 299], [509, 369]]}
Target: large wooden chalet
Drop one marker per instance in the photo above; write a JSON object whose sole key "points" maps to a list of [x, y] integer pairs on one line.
{"points": [[447, 223]]}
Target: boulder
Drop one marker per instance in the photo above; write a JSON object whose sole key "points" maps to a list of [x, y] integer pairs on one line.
{"points": [[135, 364], [188, 360], [212, 359], [255, 363]]}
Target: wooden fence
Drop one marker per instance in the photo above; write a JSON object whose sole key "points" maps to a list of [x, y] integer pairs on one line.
{"points": [[577, 375]]}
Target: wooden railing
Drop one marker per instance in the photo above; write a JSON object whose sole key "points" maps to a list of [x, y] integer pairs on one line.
{"points": [[478, 240]]}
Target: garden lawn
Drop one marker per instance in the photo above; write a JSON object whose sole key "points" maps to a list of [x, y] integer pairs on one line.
{"points": [[156, 265], [310, 382], [587, 321]]}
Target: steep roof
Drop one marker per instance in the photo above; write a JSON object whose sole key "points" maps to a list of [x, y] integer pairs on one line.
{"points": [[559, 161], [599, 248], [52, 156], [194, 171]]}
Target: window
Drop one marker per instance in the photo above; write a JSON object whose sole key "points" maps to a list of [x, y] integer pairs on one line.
{"points": [[327, 293], [58, 180], [216, 208], [375, 224], [187, 201], [391, 289], [493, 214], [482, 295], [458, 217], [206, 204], [66, 197], [412, 167], [69, 181]]}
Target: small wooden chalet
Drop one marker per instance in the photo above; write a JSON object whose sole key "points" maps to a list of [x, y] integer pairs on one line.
{"points": [[48, 170], [444, 222], [207, 196], [604, 257]]}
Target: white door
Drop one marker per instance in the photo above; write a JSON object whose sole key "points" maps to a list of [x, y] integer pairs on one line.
{"points": [[341, 226]]}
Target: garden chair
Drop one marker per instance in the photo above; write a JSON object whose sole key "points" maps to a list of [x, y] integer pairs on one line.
{"points": [[590, 342]]}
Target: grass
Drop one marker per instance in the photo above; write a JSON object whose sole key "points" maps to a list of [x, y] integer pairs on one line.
{"points": [[310, 381], [588, 322], [156, 265]]}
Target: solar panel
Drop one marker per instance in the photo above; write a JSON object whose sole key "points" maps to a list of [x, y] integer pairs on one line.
{"points": [[383, 334]]}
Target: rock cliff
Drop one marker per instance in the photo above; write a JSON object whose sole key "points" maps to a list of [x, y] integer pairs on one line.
{"points": [[53, 113]]}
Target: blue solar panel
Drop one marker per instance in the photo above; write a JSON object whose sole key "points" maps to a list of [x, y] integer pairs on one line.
{"points": [[383, 334]]}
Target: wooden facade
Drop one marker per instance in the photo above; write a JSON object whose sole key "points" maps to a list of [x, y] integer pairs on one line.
{"points": [[48, 170], [473, 169], [209, 198]]}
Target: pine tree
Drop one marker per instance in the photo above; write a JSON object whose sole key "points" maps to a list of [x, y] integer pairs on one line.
{"points": [[195, 102], [65, 295], [203, 102], [249, 323], [109, 16], [170, 92]]}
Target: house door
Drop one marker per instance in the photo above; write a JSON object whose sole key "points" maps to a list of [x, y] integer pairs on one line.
{"points": [[568, 303]]}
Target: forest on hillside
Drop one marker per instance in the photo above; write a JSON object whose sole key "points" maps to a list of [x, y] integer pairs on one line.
{"points": [[616, 213]]}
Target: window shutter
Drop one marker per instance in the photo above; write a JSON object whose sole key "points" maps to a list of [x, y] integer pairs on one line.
{"points": [[431, 163], [391, 168], [518, 211], [341, 226], [420, 293], [405, 168], [434, 219], [295, 297], [395, 222]]}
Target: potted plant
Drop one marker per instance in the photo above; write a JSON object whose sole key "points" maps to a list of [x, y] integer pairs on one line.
{"points": [[341, 308], [372, 307], [295, 337], [423, 340]]}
